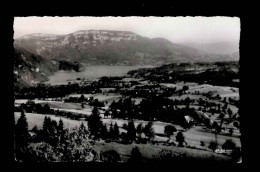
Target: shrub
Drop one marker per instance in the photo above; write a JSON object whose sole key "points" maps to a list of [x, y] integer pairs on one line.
{"points": [[180, 138], [213, 145], [202, 143], [164, 155], [169, 129], [110, 156], [229, 144]]}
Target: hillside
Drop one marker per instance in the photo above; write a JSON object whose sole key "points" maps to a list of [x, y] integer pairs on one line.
{"points": [[217, 47], [215, 73], [95, 47], [30, 69]]}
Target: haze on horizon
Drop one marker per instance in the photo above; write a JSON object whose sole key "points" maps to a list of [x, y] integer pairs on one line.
{"points": [[198, 30]]}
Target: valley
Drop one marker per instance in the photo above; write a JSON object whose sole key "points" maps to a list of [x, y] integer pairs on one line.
{"points": [[203, 112]]}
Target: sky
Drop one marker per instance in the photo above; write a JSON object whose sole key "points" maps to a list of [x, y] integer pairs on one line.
{"points": [[175, 29]]}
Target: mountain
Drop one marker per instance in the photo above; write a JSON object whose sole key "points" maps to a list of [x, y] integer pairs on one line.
{"points": [[217, 47], [30, 69], [97, 47]]}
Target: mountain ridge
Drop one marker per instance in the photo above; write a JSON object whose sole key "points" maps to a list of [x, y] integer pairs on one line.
{"points": [[112, 48]]}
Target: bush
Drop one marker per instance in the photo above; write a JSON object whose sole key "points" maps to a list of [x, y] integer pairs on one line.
{"points": [[164, 155], [169, 129], [110, 156], [202, 143], [213, 145], [229, 144], [180, 138]]}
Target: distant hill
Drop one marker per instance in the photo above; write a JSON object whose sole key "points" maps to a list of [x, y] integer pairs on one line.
{"points": [[103, 47], [226, 48], [214, 73], [30, 69]]}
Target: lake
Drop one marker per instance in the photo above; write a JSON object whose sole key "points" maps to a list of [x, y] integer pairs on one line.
{"points": [[91, 73]]}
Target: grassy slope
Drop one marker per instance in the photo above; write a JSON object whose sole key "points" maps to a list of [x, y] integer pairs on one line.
{"points": [[148, 150]]}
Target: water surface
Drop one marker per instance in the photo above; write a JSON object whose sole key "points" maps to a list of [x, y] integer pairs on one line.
{"points": [[91, 73]]}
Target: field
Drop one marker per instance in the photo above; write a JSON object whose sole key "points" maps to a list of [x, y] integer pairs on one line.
{"points": [[193, 136], [148, 151], [223, 91]]}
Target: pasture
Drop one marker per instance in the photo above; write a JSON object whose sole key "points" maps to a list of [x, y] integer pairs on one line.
{"points": [[149, 150], [193, 136]]}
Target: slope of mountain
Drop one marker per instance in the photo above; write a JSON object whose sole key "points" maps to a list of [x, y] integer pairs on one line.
{"points": [[97, 47], [217, 47], [30, 69]]}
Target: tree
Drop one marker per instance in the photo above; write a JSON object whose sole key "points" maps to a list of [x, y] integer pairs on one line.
{"points": [[169, 130], [180, 138], [149, 131], [82, 98], [106, 114], [103, 132], [185, 88], [94, 122], [35, 129], [82, 129], [116, 131], [77, 148], [136, 155], [49, 131], [60, 130], [111, 130], [139, 129], [46, 124], [21, 136], [131, 131], [46, 109], [60, 126]]}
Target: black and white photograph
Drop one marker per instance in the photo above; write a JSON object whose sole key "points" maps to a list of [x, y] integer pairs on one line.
{"points": [[126, 89]]}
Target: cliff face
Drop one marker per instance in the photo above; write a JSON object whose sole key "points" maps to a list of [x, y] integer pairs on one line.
{"points": [[105, 47], [40, 43]]}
